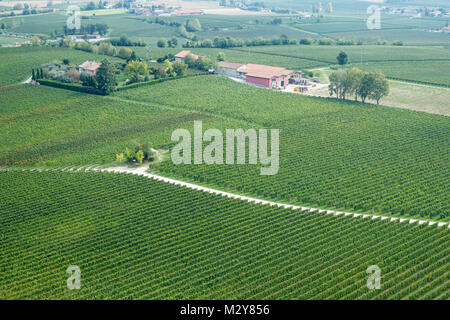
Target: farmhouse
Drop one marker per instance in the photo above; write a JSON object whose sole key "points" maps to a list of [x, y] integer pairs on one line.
{"points": [[90, 67], [182, 54], [229, 69], [265, 76]]}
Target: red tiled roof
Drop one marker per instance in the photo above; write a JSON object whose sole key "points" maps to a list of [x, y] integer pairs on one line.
{"points": [[183, 54], [90, 65], [262, 71], [230, 65]]}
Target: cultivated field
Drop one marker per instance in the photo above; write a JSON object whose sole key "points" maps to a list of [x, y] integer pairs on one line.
{"points": [[333, 154], [134, 238]]}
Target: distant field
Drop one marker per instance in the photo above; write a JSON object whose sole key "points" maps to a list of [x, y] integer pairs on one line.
{"points": [[135, 238], [412, 96], [432, 72], [16, 63], [333, 153], [11, 40]]}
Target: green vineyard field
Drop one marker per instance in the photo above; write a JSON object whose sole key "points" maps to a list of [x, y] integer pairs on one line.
{"points": [[135, 238], [332, 153]]}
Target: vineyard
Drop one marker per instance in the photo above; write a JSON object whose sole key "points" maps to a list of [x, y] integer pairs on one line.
{"points": [[332, 154], [135, 238], [55, 127]]}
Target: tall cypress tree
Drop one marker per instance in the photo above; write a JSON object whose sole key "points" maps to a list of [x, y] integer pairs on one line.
{"points": [[106, 79]]}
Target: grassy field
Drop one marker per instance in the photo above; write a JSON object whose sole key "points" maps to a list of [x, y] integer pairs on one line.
{"points": [[412, 96], [332, 153], [16, 63], [135, 238], [11, 40]]}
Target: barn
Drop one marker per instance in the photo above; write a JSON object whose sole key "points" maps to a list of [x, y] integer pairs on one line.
{"points": [[265, 76], [183, 54], [229, 69]]}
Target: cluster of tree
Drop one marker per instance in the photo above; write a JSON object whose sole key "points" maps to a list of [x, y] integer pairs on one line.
{"points": [[138, 70], [202, 63], [104, 80], [124, 40], [99, 28], [229, 42], [193, 25], [142, 152], [169, 69], [171, 43], [105, 48], [37, 73], [359, 84], [164, 22], [92, 6], [28, 9]]}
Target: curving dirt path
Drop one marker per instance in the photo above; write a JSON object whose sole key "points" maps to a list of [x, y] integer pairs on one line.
{"points": [[142, 171]]}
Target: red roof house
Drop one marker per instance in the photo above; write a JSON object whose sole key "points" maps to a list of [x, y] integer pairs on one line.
{"points": [[182, 54], [266, 76], [90, 67]]}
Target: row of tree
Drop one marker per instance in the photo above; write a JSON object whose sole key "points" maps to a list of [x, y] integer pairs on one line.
{"points": [[358, 84]]}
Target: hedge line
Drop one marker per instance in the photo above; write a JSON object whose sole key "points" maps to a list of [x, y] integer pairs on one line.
{"points": [[155, 81], [91, 90], [71, 86]]}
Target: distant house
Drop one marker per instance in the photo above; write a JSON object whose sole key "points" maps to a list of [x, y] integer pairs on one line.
{"points": [[182, 54], [446, 29], [265, 76], [229, 69], [141, 11], [90, 67]]}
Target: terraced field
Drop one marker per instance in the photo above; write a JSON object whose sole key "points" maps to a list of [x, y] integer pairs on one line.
{"points": [[134, 238]]}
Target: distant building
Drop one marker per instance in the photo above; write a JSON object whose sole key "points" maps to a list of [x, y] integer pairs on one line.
{"points": [[183, 54], [229, 69], [90, 67], [265, 76], [446, 29], [141, 11]]}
